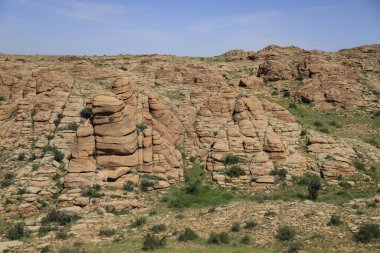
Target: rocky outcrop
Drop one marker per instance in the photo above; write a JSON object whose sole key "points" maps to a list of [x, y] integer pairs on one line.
{"points": [[116, 146]]}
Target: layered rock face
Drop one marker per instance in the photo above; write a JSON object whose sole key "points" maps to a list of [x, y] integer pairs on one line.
{"points": [[261, 134], [121, 143]]}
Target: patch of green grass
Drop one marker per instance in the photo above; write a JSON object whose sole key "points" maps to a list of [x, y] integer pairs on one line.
{"points": [[175, 95], [342, 123], [204, 196]]}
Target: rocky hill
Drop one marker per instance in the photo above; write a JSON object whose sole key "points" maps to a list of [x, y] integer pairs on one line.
{"points": [[97, 136]]}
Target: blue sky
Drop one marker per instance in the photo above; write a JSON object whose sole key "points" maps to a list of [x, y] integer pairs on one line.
{"points": [[183, 27]]}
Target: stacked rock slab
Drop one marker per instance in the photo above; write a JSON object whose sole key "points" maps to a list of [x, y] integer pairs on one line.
{"points": [[263, 135], [120, 144]]}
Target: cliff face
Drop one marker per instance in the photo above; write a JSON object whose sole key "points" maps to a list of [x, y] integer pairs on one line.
{"points": [[68, 124]]}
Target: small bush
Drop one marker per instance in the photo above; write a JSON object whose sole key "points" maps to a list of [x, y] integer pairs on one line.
{"points": [[45, 229], [313, 187], [334, 220], [246, 239], [230, 159], [367, 232], [152, 242], [294, 247], [128, 186], [318, 123], [138, 222], [86, 113], [63, 218], [16, 231], [286, 94], [270, 213], [141, 127], [292, 106], [58, 155], [187, 235], [235, 171], [35, 166], [194, 187], [250, 224], [235, 227], [279, 173], [358, 165], [145, 184], [221, 238], [158, 228], [73, 126], [153, 212], [107, 232], [92, 192], [8, 179], [285, 233], [21, 156], [62, 234]]}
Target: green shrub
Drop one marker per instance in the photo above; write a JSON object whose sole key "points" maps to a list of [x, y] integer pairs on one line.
{"points": [[246, 239], [73, 126], [367, 232], [279, 173], [187, 235], [153, 212], [35, 166], [194, 187], [313, 187], [250, 224], [105, 232], [8, 179], [92, 191], [44, 229], [318, 123], [145, 184], [235, 171], [141, 127], [286, 93], [86, 113], [128, 186], [138, 222], [63, 218], [152, 242], [158, 228], [235, 227], [220, 238], [230, 159], [292, 106], [58, 155], [21, 156], [285, 233], [16, 231], [334, 220], [294, 247], [62, 234], [358, 165]]}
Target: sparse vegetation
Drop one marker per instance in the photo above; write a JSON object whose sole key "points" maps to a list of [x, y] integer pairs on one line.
{"points": [[16, 231], [138, 222], [152, 242], [334, 220], [235, 171], [86, 113], [158, 228], [367, 233], [285, 233], [218, 238], [187, 235], [107, 232], [92, 191]]}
